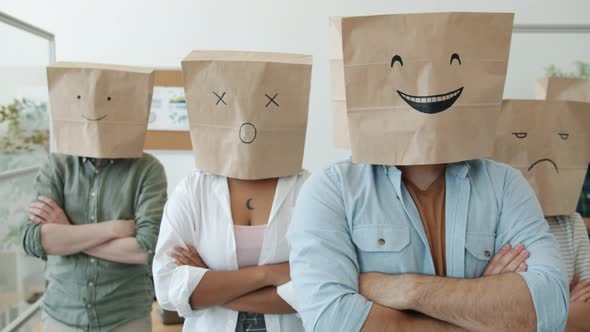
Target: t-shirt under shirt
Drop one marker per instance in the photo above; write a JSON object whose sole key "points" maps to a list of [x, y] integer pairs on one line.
{"points": [[431, 206]]}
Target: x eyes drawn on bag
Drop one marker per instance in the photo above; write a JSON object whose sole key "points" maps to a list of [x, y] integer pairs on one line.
{"points": [[79, 97], [523, 135], [431, 104], [271, 100]]}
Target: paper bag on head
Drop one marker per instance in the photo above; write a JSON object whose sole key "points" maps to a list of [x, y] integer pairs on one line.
{"points": [[339, 117], [562, 88], [424, 88], [549, 142], [247, 111], [99, 111]]}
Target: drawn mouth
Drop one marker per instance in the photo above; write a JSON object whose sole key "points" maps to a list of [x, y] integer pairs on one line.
{"points": [[97, 119], [247, 133], [431, 104], [542, 160]]}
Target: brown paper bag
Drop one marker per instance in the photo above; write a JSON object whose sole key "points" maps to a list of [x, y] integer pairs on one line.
{"points": [[99, 111], [247, 111], [561, 88], [339, 117], [424, 88], [549, 142]]}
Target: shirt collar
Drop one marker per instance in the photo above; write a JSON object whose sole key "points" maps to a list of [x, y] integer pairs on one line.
{"points": [[85, 159], [459, 169]]}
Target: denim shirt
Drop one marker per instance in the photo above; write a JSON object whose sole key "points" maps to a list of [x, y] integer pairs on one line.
{"points": [[355, 218]]}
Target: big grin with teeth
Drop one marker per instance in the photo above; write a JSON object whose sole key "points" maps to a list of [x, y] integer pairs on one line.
{"points": [[434, 103]]}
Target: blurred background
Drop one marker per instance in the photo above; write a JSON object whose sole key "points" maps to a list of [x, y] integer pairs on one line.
{"points": [[551, 38]]}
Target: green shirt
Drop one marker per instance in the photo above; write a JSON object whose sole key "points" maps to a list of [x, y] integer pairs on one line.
{"points": [[87, 292]]}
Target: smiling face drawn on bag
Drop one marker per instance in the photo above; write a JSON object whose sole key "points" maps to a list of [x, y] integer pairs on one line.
{"points": [[423, 88], [99, 110], [92, 117], [431, 104]]}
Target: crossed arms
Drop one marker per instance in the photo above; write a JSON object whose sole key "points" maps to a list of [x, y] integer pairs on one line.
{"points": [[325, 272], [184, 282], [111, 240], [48, 230]]}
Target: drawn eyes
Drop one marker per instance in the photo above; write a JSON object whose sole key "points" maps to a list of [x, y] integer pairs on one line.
{"points": [[80, 97], [397, 58], [270, 100], [522, 135], [219, 98]]}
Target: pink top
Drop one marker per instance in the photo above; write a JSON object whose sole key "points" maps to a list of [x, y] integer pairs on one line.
{"points": [[248, 244]]}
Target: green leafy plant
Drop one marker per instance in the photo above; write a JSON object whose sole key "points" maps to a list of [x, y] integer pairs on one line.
{"points": [[582, 71], [16, 134]]}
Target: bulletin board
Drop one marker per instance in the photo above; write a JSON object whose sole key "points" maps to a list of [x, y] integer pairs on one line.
{"points": [[167, 139]]}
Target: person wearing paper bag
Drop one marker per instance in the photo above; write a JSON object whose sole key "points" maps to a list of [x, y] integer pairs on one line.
{"points": [[573, 89], [100, 201], [402, 237], [222, 256], [549, 142]]}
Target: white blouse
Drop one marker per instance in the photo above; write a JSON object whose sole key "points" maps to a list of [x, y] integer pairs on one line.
{"points": [[199, 212]]}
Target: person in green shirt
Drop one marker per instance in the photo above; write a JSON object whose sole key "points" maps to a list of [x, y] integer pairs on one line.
{"points": [[96, 216]]}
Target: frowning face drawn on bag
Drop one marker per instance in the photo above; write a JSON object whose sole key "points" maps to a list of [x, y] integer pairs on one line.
{"points": [[431, 104], [522, 135], [548, 142]]}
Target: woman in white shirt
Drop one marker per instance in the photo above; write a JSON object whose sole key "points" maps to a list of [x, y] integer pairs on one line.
{"points": [[211, 216], [222, 251]]}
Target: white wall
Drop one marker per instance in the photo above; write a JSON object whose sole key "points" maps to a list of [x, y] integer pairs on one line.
{"points": [[161, 33]]}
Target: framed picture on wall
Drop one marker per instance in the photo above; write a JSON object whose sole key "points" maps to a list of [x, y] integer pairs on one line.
{"points": [[168, 127]]}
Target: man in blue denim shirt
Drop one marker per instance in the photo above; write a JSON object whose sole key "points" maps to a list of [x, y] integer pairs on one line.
{"points": [[363, 245]]}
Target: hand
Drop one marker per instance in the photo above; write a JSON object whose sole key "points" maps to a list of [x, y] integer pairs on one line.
{"points": [[579, 291], [46, 211], [277, 274], [507, 259], [122, 228], [188, 256]]}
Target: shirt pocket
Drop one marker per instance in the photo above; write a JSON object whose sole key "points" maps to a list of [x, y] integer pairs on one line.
{"points": [[479, 249], [382, 247]]}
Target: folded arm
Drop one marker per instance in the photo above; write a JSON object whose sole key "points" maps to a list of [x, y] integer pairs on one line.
{"points": [[185, 286], [59, 237], [63, 240], [577, 319], [496, 303], [124, 250], [263, 301], [240, 288], [325, 269], [382, 318]]}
